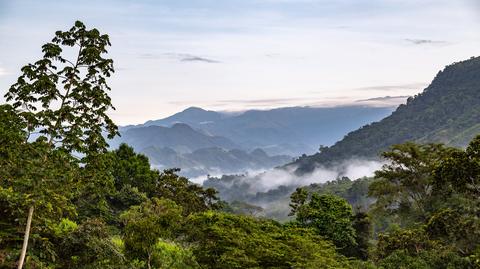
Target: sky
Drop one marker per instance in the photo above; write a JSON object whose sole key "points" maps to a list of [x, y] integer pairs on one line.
{"points": [[246, 54]]}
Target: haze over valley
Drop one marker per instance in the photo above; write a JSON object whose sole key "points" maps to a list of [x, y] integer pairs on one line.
{"points": [[202, 142]]}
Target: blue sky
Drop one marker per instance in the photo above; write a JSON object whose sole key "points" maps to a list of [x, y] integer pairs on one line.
{"points": [[241, 54]]}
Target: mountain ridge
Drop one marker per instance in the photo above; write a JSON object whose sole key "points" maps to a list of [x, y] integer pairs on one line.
{"points": [[447, 111], [289, 130]]}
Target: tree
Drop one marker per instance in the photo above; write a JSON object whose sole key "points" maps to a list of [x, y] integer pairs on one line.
{"points": [[222, 240], [32, 173], [363, 232], [298, 200], [87, 245], [460, 172], [329, 215], [148, 223], [404, 186], [66, 101], [192, 197], [133, 169]]}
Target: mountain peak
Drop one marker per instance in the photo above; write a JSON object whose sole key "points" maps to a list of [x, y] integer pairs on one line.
{"points": [[191, 116], [194, 109]]}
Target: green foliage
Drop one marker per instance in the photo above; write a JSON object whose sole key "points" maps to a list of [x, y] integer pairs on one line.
{"points": [[447, 111], [111, 210], [330, 216], [146, 224], [79, 86], [65, 227], [221, 240], [133, 169], [169, 255], [354, 191], [403, 188], [456, 228], [242, 208], [363, 232], [460, 172], [437, 188], [89, 246], [424, 260], [65, 102], [192, 197]]}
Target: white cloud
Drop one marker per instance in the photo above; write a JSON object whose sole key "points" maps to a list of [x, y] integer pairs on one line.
{"points": [[3, 71]]}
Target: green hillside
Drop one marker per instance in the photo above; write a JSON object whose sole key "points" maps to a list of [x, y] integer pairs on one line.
{"points": [[448, 111]]}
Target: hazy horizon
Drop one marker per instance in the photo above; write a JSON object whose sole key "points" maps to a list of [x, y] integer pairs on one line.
{"points": [[237, 55]]}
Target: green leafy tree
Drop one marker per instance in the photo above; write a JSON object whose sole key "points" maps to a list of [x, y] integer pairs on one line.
{"points": [[148, 223], [329, 215], [32, 174], [133, 169], [403, 188], [169, 255], [460, 172], [65, 101], [415, 248], [192, 197], [459, 229], [363, 234], [88, 245], [221, 240]]}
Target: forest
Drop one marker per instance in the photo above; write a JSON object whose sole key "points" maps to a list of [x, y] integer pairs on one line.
{"points": [[446, 111], [68, 201]]}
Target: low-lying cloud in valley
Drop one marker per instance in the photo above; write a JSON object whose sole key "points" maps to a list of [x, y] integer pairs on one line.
{"points": [[271, 189], [275, 178]]}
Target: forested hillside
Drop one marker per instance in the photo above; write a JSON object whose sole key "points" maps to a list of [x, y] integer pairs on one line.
{"points": [[448, 111], [67, 201]]}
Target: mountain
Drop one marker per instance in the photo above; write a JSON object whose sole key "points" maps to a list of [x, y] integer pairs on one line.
{"points": [[213, 160], [291, 131], [192, 116], [202, 142], [196, 153], [179, 137], [447, 111]]}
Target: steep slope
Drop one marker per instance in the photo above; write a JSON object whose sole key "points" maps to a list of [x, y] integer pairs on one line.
{"points": [[447, 111]]}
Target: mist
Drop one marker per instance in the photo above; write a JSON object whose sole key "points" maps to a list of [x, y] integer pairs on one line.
{"points": [[272, 179], [353, 169], [271, 189]]}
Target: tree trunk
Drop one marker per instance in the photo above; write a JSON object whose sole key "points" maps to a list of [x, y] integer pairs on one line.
{"points": [[25, 238], [149, 260]]}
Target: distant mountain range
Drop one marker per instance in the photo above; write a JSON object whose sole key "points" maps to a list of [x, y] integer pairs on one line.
{"points": [[204, 142], [179, 137], [292, 130], [214, 161], [448, 111]]}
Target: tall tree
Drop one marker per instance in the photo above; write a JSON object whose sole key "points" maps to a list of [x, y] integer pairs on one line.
{"points": [[404, 186], [66, 101], [329, 215]]}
